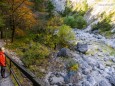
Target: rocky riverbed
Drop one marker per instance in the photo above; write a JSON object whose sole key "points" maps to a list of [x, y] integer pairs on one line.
{"points": [[96, 66]]}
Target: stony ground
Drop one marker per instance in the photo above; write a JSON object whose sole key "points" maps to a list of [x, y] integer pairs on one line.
{"points": [[96, 67]]}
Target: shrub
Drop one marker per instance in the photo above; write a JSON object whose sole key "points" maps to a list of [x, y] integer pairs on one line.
{"points": [[65, 35], [81, 23], [33, 54], [102, 26], [20, 32], [48, 37], [55, 22], [72, 65], [75, 21], [50, 8], [70, 21]]}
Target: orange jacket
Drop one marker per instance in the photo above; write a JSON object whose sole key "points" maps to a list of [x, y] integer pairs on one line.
{"points": [[2, 59]]}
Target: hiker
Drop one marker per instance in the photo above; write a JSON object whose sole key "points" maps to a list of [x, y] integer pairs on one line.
{"points": [[2, 62]]}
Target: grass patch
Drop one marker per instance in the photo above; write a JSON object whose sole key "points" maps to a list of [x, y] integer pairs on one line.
{"points": [[108, 49]]}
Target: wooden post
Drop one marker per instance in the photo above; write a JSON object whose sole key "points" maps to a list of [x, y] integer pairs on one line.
{"points": [[10, 66]]}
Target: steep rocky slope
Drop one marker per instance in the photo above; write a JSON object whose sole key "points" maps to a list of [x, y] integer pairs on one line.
{"points": [[96, 67]]}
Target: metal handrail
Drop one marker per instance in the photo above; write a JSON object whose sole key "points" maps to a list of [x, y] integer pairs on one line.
{"points": [[22, 69]]}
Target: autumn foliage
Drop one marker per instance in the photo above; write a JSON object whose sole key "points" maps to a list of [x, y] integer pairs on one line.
{"points": [[19, 15]]}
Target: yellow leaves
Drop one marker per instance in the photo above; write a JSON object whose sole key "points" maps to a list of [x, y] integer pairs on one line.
{"points": [[24, 17], [81, 6], [55, 21], [28, 3], [20, 32], [74, 67], [18, 2]]}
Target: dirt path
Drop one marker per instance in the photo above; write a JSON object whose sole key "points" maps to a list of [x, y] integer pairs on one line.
{"points": [[7, 81]]}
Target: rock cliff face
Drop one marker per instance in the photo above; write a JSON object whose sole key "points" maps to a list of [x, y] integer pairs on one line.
{"points": [[95, 11]]}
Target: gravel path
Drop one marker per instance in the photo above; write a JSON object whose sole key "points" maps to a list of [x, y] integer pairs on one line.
{"points": [[6, 81]]}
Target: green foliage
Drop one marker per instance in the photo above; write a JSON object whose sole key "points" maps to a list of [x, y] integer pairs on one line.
{"points": [[1, 22], [55, 22], [47, 35], [72, 65], [56, 35], [75, 21], [65, 35], [82, 8], [3, 5], [21, 42], [49, 40], [33, 54], [81, 23], [50, 8], [44, 6], [69, 20], [38, 4], [66, 12], [103, 26], [108, 34]]}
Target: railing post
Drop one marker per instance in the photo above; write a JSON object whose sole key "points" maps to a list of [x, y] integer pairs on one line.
{"points": [[10, 66], [22, 69]]}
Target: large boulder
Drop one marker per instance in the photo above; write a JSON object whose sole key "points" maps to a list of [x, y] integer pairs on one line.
{"points": [[101, 66], [111, 79], [81, 47], [64, 52], [113, 60]]}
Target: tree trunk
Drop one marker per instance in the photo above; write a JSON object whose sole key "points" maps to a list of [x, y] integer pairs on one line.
{"points": [[13, 33], [1, 34], [13, 29]]}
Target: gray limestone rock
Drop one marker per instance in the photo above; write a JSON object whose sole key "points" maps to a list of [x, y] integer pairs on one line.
{"points": [[91, 80], [104, 83], [86, 83], [64, 52], [81, 47], [101, 66], [113, 59], [111, 79], [87, 70]]}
